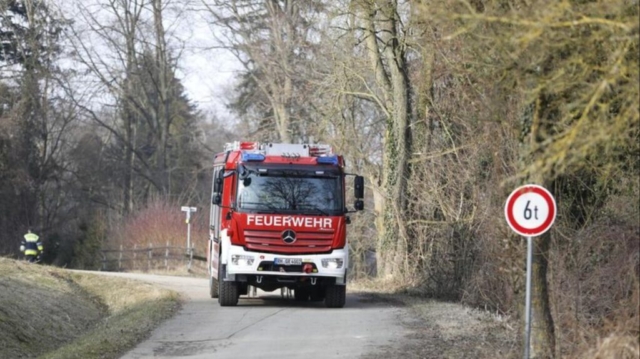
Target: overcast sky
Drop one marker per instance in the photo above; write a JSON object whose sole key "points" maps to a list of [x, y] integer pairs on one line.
{"points": [[207, 73]]}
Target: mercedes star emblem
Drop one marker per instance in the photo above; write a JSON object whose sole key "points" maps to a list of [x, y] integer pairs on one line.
{"points": [[289, 236]]}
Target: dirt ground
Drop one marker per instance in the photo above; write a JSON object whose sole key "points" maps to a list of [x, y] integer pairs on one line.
{"points": [[442, 330]]}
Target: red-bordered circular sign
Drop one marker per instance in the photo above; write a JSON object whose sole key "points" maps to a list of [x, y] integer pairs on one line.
{"points": [[530, 210]]}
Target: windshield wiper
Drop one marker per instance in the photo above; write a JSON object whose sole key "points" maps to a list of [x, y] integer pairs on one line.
{"points": [[246, 171], [259, 207], [316, 208]]}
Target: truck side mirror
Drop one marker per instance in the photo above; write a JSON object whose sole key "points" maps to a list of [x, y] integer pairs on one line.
{"points": [[359, 205], [217, 182], [359, 187], [216, 197]]}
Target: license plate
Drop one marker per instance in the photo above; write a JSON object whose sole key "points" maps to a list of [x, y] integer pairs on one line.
{"points": [[288, 261]]}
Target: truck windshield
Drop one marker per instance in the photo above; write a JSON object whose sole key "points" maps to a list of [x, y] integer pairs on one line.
{"points": [[289, 191]]}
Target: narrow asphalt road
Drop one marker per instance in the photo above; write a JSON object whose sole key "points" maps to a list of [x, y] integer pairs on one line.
{"points": [[269, 326]]}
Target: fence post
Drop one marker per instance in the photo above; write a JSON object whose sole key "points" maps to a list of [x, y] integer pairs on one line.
{"points": [[190, 249], [104, 260], [150, 255], [120, 259], [133, 263], [166, 257]]}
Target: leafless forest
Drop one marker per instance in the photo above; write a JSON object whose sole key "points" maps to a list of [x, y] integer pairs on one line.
{"points": [[444, 105]]}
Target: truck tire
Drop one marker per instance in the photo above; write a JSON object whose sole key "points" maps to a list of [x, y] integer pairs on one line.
{"points": [[213, 287], [335, 296], [229, 292]]}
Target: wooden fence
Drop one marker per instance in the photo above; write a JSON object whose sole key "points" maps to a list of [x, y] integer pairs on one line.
{"points": [[148, 258]]}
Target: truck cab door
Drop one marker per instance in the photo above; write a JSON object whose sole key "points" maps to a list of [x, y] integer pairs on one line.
{"points": [[215, 222]]}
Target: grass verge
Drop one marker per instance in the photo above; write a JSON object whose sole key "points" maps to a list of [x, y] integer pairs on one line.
{"points": [[48, 312], [441, 329]]}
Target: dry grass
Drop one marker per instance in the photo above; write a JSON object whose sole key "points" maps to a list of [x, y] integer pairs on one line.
{"points": [[616, 346], [52, 313], [40, 310], [443, 329], [376, 285]]}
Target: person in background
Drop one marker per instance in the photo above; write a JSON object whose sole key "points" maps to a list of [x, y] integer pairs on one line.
{"points": [[31, 247]]}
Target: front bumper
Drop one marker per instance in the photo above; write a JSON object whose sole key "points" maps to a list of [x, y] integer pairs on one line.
{"points": [[259, 268]]}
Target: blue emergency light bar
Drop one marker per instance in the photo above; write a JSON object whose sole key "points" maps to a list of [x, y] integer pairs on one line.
{"points": [[252, 157], [328, 160]]}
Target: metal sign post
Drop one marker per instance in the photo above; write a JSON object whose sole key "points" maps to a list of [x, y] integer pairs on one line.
{"points": [[527, 305], [530, 211], [189, 210]]}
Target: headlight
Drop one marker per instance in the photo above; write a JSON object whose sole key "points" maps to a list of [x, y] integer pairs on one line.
{"points": [[332, 263], [240, 260]]}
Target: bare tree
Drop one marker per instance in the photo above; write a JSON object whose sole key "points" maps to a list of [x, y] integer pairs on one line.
{"points": [[140, 81], [274, 41], [385, 46], [35, 119], [564, 77]]}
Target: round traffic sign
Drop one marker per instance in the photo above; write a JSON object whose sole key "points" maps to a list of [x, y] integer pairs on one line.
{"points": [[530, 210]]}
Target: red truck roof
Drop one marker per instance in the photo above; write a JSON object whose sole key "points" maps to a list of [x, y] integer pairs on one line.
{"points": [[300, 154]]}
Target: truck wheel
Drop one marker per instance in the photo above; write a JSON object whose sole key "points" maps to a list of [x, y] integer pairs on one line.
{"points": [[229, 293], [213, 287], [300, 295], [335, 296]]}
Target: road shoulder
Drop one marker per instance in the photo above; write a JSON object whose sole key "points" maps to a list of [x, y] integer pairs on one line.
{"points": [[446, 330]]}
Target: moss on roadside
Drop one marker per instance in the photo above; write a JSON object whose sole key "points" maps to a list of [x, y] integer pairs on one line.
{"points": [[50, 312], [118, 332]]}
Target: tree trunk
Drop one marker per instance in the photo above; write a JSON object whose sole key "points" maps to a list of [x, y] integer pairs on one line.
{"points": [[381, 19], [129, 161], [282, 120], [33, 123], [129, 113], [164, 116], [542, 330]]}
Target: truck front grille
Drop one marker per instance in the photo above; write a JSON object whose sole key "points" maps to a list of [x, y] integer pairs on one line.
{"points": [[271, 242]]}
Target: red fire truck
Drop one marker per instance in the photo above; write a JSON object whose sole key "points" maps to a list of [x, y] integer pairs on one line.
{"points": [[278, 220]]}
